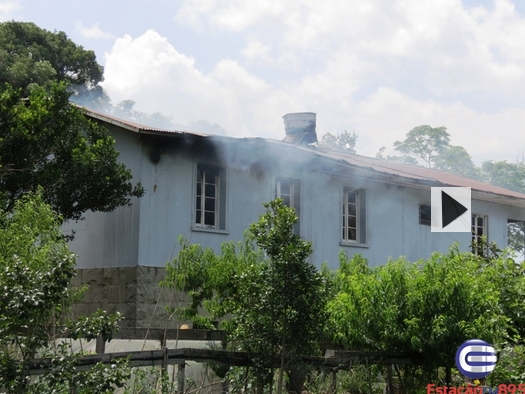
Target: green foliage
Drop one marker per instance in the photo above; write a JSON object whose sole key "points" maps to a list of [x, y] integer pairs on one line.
{"points": [[63, 378], [47, 141], [293, 289], [32, 56], [360, 379], [89, 328], [150, 381], [427, 308], [271, 299], [510, 367], [508, 175], [343, 142], [432, 147], [456, 160], [424, 143], [36, 268]]}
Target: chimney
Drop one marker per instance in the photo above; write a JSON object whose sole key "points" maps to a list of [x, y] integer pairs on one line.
{"points": [[300, 128]]}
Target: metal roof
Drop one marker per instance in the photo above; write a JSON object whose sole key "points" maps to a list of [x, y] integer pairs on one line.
{"points": [[397, 172], [132, 126], [417, 175]]}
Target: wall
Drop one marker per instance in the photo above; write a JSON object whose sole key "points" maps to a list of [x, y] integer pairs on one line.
{"points": [[147, 233], [111, 239], [122, 253]]}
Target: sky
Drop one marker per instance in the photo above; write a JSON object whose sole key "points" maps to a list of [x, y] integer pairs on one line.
{"points": [[375, 67]]}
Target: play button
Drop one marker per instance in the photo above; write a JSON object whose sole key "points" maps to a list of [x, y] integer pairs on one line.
{"points": [[450, 209]]}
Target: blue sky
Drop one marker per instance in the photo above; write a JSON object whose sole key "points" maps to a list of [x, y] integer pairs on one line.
{"points": [[377, 67]]}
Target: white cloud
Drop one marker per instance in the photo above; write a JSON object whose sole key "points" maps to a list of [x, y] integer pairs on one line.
{"points": [[387, 115], [7, 8], [256, 51], [151, 72], [379, 67], [234, 15], [94, 32]]}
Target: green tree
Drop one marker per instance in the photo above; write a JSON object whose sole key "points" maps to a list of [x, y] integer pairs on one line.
{"points": [[424, 143], [504, 174], [293, 289], [47, 141], [456, 160], [36, 268], [273, 300], [344, 142], [426, 308], [33, 56], [510, 176]]}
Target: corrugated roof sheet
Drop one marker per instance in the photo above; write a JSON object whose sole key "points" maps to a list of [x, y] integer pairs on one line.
{"points": [[416, 173], [410, 173], [133, 126]]}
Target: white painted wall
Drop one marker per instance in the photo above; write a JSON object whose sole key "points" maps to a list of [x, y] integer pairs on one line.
{"points": [[146, 233]]}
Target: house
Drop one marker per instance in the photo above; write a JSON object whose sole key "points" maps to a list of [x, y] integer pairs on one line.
{"points": [[210, 188]]}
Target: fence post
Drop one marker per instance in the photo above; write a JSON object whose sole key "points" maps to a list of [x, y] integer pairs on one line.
{"points": [[181, 377], [333, 383], [390, 380]]}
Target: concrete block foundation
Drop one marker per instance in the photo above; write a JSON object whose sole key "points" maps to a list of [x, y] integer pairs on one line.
{"points": [[132, 291]]}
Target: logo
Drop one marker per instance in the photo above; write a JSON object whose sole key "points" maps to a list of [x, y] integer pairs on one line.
{"points": [[475, 359], [450, 209]]}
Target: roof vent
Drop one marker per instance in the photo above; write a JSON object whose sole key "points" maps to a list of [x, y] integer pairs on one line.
{"points": [[300, 128]]}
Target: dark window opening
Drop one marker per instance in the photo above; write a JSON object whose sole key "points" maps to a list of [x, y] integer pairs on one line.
{"points": [[425, 215]]}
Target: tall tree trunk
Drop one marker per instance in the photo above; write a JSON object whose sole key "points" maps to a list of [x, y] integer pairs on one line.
{"points": [[281, 369]]}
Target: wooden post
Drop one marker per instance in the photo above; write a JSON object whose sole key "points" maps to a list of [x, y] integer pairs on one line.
{"points": [[390, 380], [333, 383], [180, 378], [100, 345], [225, 384]]}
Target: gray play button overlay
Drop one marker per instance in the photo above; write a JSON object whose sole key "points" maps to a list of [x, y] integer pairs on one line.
{"points": [[450, 209]]}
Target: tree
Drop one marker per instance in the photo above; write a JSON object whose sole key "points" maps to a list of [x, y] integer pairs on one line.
{"points": [[456, 160], [273, 300], [36, 268], [510, 176], [424, 143], [427, 308], [344, 142], [504, 174], [33, 56], [47, 141], [294, 288]]}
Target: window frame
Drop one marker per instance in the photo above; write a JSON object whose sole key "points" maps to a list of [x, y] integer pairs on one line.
{"points": [[360, 216], [219, 205], [473, 229], [294, 197]]}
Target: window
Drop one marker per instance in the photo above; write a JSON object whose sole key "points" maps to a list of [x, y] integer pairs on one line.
{"points": [[354, 215], [289, 190], [425, 215], [516, 237], [479, 229], [210, 198]]}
